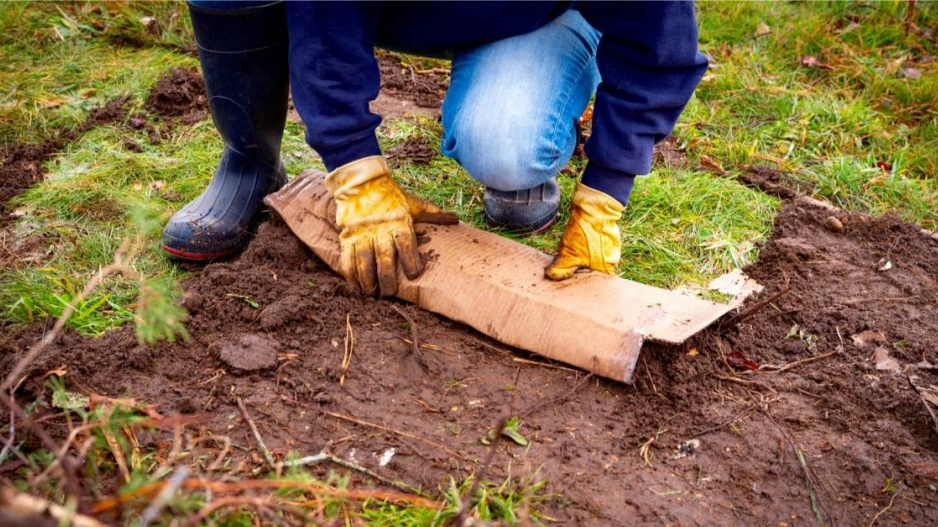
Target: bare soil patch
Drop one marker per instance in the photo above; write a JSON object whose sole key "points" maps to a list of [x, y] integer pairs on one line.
{"points": [[22, 165], [426, 89], [417, 150], [860, 429], [179, 94]]}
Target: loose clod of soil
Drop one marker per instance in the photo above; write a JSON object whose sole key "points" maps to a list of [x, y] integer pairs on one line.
{"points": [[181, 94], [415, 149], [700, 439], [22, 165], [250, 353]]}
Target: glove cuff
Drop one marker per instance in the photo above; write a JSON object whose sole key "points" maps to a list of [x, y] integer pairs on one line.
{"points": [[344, 181], [596, 203]]}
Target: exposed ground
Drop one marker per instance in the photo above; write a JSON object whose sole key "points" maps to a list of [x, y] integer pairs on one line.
{"points": [[863, 430], [813, 405]]}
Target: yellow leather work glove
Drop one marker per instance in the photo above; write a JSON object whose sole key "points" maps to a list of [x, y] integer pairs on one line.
{"points": [[591, 240], [376, 226]]}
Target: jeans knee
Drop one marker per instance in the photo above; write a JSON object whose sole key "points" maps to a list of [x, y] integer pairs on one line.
{"points": [[506, 157]]}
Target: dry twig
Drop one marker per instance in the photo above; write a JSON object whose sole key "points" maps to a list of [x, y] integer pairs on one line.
{"points": [[268, 457], [645, 449], [880, 513], [752, 310], [778, 369], [166, 493], [349, 347], [36, 506], [415, 344], [396, 432], [249, 484]]}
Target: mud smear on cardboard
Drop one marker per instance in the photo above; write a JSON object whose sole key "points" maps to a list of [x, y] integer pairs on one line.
{"points": [[22, 165], [858, 427]]}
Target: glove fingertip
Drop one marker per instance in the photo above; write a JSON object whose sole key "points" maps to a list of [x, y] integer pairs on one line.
{"points": [[558, 273], [409, 255]]}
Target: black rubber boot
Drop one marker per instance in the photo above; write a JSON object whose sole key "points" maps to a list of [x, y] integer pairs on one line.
{"points": [[244, 63], [528, 211]]}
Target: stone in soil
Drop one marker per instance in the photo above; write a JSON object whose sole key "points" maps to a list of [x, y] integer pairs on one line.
{"points": [[250, 352]]}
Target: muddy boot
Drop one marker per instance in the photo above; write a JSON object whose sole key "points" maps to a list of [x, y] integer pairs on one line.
{"points": [[529, 211], [244, 62]]}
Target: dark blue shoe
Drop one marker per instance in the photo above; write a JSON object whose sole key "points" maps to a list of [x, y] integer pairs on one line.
{"points": [[244, 62], [529, 211]]}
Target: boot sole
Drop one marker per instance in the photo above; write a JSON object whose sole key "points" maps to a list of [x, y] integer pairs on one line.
{"points": [[521, 232], [195, 257]]}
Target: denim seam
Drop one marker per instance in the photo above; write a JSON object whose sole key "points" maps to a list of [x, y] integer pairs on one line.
{"points": [[555, 152]]}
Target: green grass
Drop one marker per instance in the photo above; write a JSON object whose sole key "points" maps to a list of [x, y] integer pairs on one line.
{"points": [[855, 133], [833, 129]]}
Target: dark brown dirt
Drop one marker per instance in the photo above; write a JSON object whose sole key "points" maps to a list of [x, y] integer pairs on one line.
{"points": [[425, 89], [417, 150], [22, 165], [668, 154], [181, 94], [861, 429]]}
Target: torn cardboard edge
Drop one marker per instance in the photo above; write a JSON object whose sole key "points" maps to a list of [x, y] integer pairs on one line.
{"points": [[497, 286]]}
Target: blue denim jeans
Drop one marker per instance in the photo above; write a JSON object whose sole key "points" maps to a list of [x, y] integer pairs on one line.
{"points": [[508, 117]]}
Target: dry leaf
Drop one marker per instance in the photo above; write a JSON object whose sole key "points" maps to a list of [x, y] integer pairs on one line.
{"points": [[883, 361], [60, 371], [870, 335], [763, 29], [910, 73], [930, 394]]}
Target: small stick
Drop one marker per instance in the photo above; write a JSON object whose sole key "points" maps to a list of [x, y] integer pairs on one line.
{"points": [[34, 505], [752, 310], [816, 505], [426, 406], [778, 369], [257, 435], [652, 381], [880, 513], [239, 486], [116, 452], [349, 347], [387, 481], [645, 449], [909, 17], [325, 456], [166, 493], [543, 364], [396, 432], [415, 344]]}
